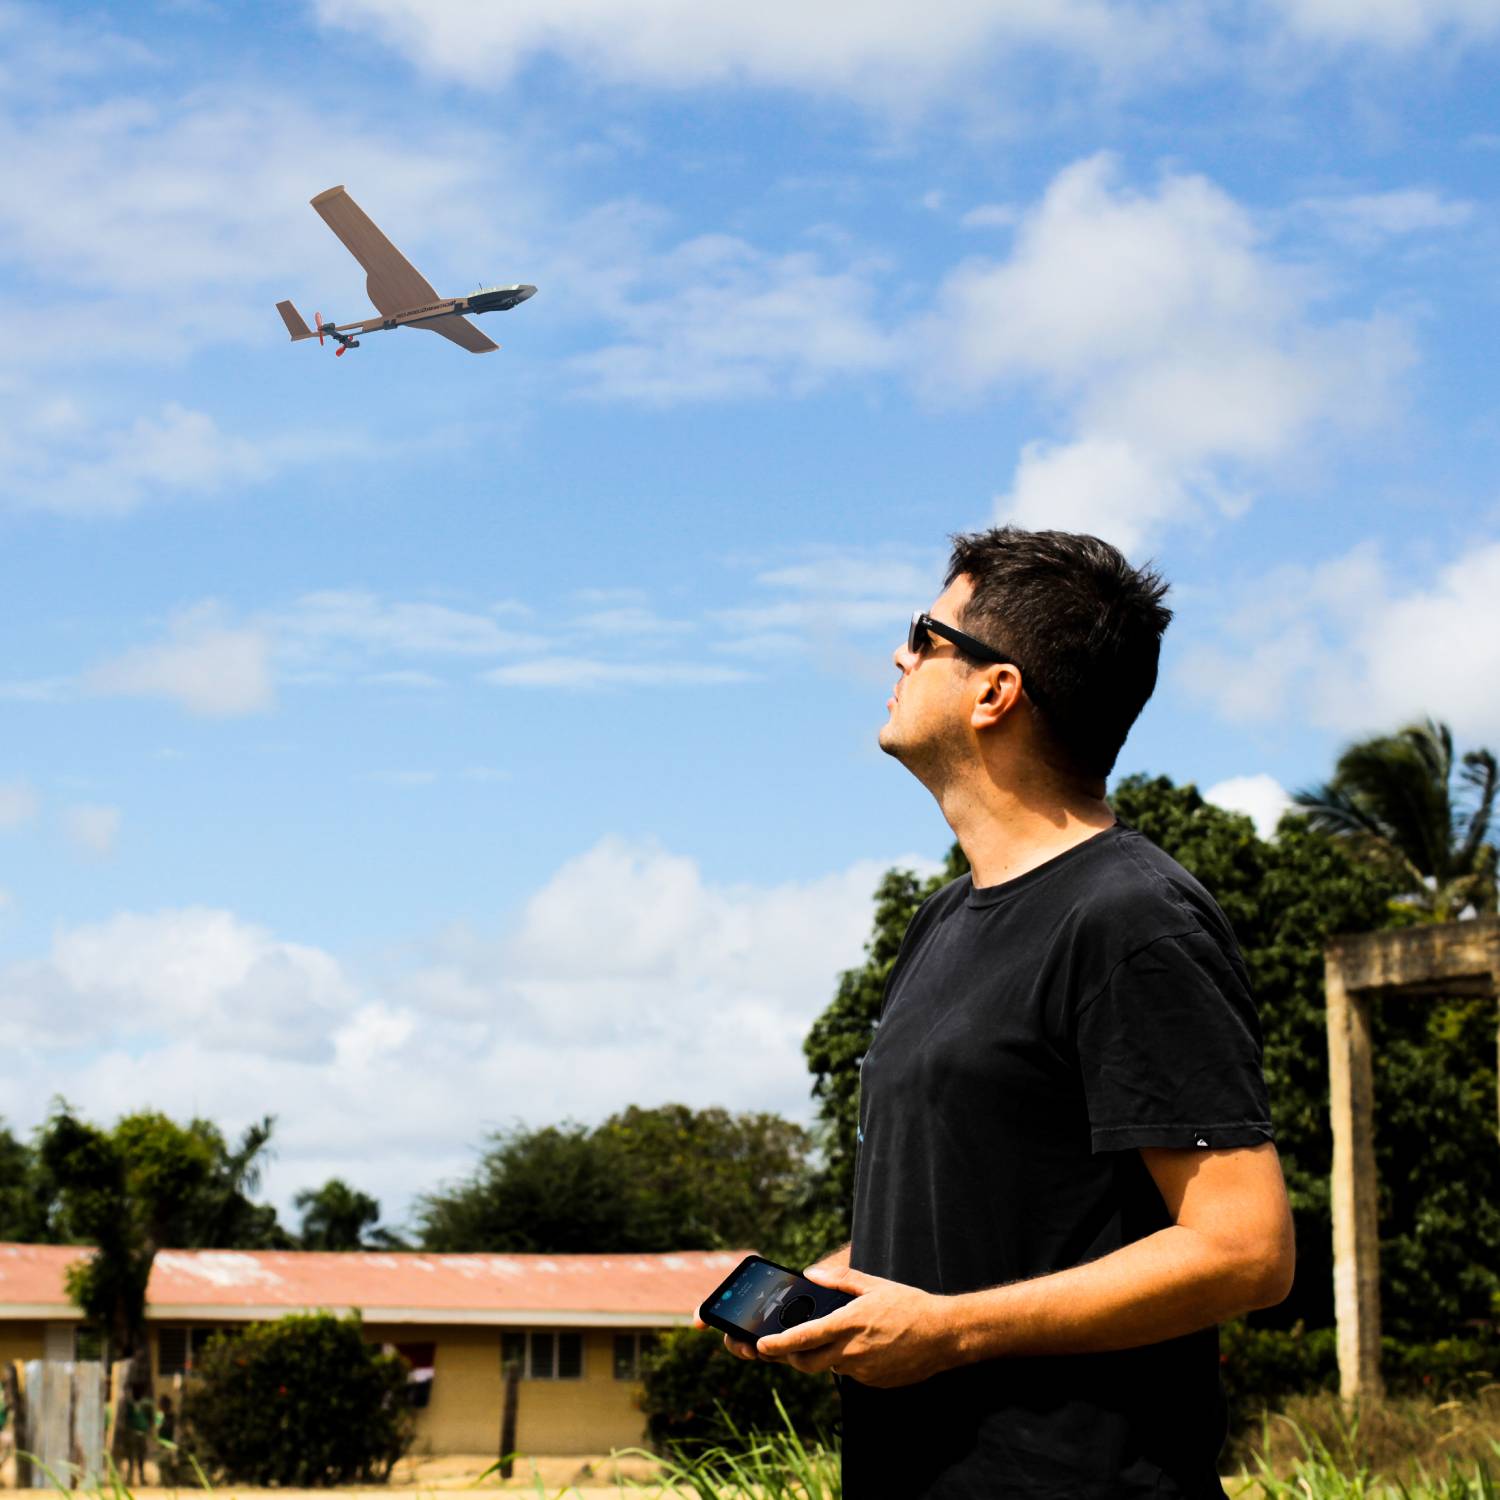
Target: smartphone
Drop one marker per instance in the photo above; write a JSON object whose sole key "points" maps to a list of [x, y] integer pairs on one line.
{"points": [[759, 1297]]}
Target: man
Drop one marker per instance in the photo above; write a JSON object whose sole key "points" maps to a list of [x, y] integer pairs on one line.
{"points": [[1065, 1178]]}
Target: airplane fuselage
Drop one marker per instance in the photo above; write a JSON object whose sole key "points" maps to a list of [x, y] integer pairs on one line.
{"points": [[491, 299]]}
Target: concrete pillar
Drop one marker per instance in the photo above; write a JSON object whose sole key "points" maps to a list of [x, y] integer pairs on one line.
{"points": [[1356, 1242]]}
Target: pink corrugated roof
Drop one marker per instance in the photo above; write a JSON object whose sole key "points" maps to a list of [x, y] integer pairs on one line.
{"points": [[31, 1276]]}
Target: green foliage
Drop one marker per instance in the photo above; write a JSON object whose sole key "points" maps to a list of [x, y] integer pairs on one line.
{"points": [[1263, 1366], [670, 1178], [697, 1395], [1393, 798], [146, 1184], [25, 1194], [774, 1462], [339, 1217], [300, 1402]]}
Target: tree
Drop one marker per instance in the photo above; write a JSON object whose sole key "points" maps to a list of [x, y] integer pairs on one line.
{"points": [[1394, 800], [339, 1217], [669, 1178], [25, 1194], [1440, 1196], [143, 1185], [299, 1402]]}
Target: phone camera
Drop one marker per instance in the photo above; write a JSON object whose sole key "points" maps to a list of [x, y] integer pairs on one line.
{"points": [[796, 1310]]}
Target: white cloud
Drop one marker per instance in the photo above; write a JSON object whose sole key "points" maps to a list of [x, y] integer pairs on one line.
{"points": [[1390, 24], [880, 50], [205, 976], [1356, 646], [1186, 358], [715, 317], [18, 803], [335, 626], [1369, 219], [74, 467], [678, 974], [206, 666], [1261, 798], [92, 829]]}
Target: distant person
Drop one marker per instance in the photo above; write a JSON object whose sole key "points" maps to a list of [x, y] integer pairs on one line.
{"points": [[139, 1415], [166, 1442], [1065, 1176]]}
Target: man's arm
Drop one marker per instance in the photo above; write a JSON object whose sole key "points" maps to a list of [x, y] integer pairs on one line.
{"points": [[1228, 1250]]}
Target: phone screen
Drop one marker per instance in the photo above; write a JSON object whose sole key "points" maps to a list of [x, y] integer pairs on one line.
{"points": [[760, 1297]]}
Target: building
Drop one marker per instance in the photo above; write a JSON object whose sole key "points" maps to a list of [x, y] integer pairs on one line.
{"points": [[576, 1324]]}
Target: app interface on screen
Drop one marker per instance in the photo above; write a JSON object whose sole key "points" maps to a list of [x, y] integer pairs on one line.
{"points": [[762, 1299]]}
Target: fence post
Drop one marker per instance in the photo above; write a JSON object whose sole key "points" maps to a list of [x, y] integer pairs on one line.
{"points": [[15, 1399]]}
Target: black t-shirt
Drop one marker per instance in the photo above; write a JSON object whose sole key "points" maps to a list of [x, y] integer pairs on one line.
{"points": [[1033, 1035]]}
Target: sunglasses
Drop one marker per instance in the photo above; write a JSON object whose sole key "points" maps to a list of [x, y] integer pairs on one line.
{"points": [[923, 627]]}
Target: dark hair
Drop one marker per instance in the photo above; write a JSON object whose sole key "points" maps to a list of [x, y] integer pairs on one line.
{"points": [[1085, 626]]}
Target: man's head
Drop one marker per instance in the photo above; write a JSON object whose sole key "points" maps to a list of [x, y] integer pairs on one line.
{"points": [[1082, 633]]}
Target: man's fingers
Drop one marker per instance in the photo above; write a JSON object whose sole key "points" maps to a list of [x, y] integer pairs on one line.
{"points": [[804, 1336], [739, 1348]]}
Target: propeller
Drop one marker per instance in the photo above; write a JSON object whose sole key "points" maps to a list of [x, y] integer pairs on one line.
{"points": [[318, 324]]}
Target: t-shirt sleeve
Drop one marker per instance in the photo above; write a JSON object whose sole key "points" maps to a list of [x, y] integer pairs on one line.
{"points": [[1170, 1051]]}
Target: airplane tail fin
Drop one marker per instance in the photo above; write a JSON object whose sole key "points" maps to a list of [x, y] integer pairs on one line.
{"points": [[293, 320]]}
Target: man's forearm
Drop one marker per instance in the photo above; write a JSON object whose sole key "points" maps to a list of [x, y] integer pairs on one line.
{"points": [[1173, 1282]]}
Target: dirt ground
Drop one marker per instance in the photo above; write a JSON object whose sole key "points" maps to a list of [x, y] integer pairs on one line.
{"points": [[586, 1477], [414, 1477]]}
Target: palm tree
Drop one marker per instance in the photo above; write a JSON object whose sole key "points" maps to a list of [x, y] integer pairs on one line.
{"points": [[1393, 797]]}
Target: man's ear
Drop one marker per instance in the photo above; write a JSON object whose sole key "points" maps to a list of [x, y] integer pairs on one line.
{"points": [[999, 693]]}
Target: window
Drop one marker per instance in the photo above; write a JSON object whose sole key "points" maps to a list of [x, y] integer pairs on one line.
{"points": [[89, 1343], [171, 1351], [630, 1348], [543, 1354], [179, 1348]]}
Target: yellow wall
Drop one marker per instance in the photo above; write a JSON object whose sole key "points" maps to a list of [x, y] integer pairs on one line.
{"points": [[590, 1415], [21, 1341]]}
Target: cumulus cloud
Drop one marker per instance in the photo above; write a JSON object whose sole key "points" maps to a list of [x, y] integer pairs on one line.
{"points": [[92, 829], [206, 666], [1355, 645], [1261, 798], [203, 976], [878, 50], [678, 974], [1187, 358]]}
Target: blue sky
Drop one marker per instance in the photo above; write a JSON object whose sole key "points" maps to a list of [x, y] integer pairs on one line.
{"points": [[411, 743]]}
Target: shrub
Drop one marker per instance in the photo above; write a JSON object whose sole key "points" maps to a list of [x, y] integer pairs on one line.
{"points": [[300, 1402], [698, 1395], [1263, 1366]]}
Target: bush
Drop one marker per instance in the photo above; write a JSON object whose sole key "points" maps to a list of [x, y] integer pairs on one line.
{"points": [[300, 1402], [698, 1395], [1263, 1366]]}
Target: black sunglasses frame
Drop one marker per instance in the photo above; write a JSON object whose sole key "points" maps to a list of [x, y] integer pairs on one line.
{"points": [[923, 627]]}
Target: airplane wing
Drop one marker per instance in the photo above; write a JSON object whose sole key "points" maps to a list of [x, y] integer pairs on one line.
{"points": [[394, 284], [461, 332]]}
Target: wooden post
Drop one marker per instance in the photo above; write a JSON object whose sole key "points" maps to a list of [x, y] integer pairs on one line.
{"points": [[15, 1398], [1356, 1242], [508, 1417]]}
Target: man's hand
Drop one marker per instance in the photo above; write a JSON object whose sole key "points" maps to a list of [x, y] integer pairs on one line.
{"points": [[891, 1334]]}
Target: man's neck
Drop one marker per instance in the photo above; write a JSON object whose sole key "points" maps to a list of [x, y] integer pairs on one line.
{"points": [[1004, 831]]}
